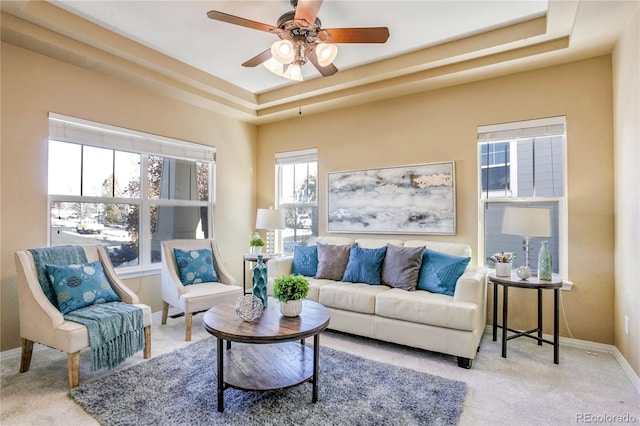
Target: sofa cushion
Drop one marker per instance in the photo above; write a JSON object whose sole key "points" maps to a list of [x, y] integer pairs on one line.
{"points": [[77, 286], [455, 249], [354, 297], [365, 265], [377, 242], [401, 267], [195, 266], [423, 307], [332, 261], [305, 260], [440, 272]]}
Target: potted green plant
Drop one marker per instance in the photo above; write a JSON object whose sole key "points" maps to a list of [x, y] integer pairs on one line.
{"points": [[256, 243], [289, 290], [503, 261]]}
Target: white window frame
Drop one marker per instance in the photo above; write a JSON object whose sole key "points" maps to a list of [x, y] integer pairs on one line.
{"points": [[522, 130], [78, 131]]}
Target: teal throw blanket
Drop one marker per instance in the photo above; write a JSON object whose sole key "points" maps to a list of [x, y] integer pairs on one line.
{"points": [[59, 255], [116, 331]]}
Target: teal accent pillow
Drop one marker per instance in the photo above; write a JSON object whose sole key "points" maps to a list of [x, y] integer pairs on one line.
{"points": [[440, 272], [77, 286], [195, 266], [365, 265], [305, 260]]}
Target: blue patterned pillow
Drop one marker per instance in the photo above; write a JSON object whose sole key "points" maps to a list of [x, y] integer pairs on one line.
{"points": [[365, 265], [195, 266], [77, 286], [440, 272], [305, 260]]}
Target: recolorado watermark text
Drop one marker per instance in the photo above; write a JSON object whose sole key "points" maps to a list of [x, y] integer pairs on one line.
{"points": [[606, 418]]}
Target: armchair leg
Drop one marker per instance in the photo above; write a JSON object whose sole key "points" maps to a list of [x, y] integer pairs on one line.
{"points": [[73, 365], [165, 312], [147, 342], [27, 350], [188, 319]]}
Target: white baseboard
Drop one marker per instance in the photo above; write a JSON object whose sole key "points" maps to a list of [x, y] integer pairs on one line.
{"points": [[596, 347]]}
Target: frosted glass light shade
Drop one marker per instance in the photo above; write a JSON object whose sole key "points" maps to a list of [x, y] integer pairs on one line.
{"points": [[274, 66], [283, 51], [293, 72], [326, 53]]}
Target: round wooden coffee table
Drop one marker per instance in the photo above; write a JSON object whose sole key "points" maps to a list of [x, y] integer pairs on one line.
{"points": [[268, 357]]}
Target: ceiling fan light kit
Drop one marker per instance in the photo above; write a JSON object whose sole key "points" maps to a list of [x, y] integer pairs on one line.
{"points": [[302, 40]]}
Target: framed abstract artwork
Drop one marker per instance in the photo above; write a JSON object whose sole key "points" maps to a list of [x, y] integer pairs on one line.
{"points": [[417, 199]]}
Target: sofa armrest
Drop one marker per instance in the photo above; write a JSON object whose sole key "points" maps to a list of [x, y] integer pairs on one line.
{"points": [[279, 266], [471, 286]]}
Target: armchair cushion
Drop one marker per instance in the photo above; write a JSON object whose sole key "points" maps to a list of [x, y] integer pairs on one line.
{"points": [[195, 266], [77, 286]]}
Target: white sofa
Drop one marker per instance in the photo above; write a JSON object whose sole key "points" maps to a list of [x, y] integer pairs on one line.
{"points": [[448, 324]]}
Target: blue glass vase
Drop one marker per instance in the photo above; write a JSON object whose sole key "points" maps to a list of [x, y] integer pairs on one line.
{"points": [[260, 281], [544, 262]]}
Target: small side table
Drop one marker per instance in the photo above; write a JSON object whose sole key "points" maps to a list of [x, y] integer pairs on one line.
{"points": [[531, 283], [253, 258]]}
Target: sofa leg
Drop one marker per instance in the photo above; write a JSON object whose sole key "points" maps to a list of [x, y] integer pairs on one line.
{"points": [[165, 312], [188, 319], [73, 365], [147, 342], [25, 359], [464, 362]]}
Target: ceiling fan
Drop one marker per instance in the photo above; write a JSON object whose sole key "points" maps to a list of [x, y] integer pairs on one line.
{"points": [[302, 39]]}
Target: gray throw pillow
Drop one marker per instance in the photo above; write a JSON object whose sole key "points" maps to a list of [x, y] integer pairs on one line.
{"points": [[332, 261], [401, 267]]}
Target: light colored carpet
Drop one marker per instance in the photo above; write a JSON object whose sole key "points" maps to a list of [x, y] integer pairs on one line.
{"points": [[524, 389]]}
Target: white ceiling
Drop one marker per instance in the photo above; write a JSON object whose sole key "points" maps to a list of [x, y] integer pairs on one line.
{"points": [[181, 29], [172, 47]]}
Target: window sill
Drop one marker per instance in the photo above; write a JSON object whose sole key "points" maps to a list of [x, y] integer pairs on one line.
{"points": [[136, 272]]}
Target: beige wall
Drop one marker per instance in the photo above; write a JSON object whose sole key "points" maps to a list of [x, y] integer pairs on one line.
{"points": [[442, 125], [33, 85], [626, 72]]}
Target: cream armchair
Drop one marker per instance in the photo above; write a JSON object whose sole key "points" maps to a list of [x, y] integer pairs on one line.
{"points": [[41, 322], [194, 298]]}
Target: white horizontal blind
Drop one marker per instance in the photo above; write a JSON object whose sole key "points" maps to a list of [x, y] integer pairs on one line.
{"points": [[75, 130], [301, 156], [522, 130]]}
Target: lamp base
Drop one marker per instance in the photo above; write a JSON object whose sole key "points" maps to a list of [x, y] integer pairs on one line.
{"points": [[523, 272]]}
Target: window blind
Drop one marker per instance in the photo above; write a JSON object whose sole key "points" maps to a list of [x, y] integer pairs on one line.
{"points": [[552, 126], [301, 156], [75, 130]]}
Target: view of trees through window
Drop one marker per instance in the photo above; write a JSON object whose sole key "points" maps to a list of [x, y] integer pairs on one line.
{"points": [[97, 194]]}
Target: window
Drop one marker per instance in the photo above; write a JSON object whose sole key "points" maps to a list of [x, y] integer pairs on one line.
{"points": [[523, 164], [126, 190], [297, 177]]}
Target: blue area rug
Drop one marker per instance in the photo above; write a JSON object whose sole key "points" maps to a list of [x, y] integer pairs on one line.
{"points": [[179, 388]]}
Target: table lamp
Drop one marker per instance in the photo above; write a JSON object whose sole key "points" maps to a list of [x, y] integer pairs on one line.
{"points": [[270, 219], [527, 222]]}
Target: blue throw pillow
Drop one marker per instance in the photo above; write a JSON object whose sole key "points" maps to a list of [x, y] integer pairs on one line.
{"points": [[77, 286], [365, 265], [440, 272], [195, 266], [305, 260]]}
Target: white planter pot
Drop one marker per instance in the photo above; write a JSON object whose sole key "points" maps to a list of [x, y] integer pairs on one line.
{"points": [[256, 249], [503, 269], [291, 308]]}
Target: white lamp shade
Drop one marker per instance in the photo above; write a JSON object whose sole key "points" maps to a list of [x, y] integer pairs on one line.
{"points": [[326, 53], [270, 219], [283, 51], [527, 221], [274, 66], [293, 72]]}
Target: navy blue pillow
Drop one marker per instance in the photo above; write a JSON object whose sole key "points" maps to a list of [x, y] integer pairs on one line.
{"points": [[440, 272], [305, 260], [365, 265]]}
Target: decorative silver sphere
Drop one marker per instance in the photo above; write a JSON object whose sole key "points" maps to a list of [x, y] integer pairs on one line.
{"points": [[249, 307]]}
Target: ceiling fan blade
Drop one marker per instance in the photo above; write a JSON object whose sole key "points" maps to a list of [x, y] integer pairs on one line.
{"points": [[358, 35], [236, 20], [325, 71], [308, 10], [258, 59]]}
